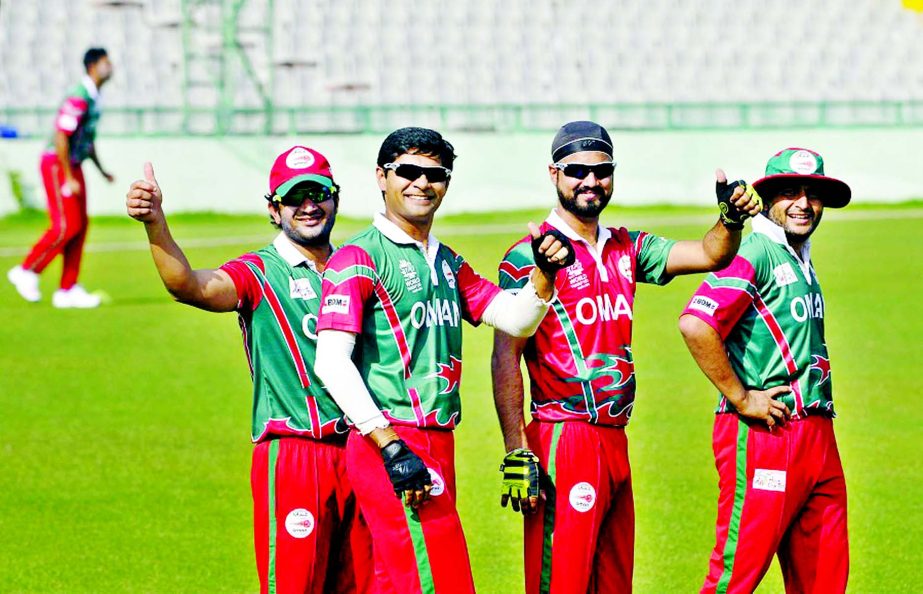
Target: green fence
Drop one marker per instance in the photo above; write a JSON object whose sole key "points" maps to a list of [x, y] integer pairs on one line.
{"points": [[179, 121]]}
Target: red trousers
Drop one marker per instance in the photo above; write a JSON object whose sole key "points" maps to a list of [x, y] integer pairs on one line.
{"points": [[582, 537], [415, 551], [307, 533], [780, 492], [68, 228]]}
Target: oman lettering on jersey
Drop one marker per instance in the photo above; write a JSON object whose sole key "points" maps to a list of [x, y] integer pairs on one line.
{"points": [[278, 308], [769, 310], [580, 361], [77, 118], [406, 305]]}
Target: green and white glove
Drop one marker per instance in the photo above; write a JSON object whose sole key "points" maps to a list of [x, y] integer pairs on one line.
{"points": [[521, 475]]}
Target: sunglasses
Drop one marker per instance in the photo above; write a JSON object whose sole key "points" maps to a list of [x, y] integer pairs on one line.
{"points": [[582, 170], [435, 174], [313, 192]]}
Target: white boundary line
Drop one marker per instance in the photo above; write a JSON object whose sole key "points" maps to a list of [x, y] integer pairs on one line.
{"points": [[486, 229]]}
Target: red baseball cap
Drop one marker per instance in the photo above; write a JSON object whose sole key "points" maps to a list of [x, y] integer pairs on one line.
{"points": [[299, 164]]}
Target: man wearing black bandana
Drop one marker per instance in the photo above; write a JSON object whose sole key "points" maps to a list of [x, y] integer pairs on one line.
{"points": [[581, 370]]}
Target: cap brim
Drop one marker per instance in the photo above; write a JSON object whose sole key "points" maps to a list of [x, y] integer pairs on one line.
{"points": [[284, 189], [833, 192]]}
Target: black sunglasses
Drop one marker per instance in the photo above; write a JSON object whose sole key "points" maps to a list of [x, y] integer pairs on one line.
{"points": [[435, 174], [582, 170], [314, 192]]}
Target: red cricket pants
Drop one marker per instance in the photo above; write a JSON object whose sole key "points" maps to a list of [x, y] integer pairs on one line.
{"points": [[780, 491], [582, 537], [415, 551], [307, 533], [68, 228]]}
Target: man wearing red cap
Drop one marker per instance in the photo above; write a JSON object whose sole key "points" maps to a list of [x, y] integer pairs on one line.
{"points": [[756, 329], [307, 533]]}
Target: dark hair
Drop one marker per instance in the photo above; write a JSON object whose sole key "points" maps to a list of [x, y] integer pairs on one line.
{"points": [[419, 141], [93, 55]]}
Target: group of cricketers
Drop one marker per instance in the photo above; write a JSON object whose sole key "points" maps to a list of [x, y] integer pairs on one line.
{"points": [[356, 357]]}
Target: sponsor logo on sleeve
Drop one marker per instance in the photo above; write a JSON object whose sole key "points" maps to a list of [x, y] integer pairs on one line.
{"points": [[704, 304], [769, 480], [300, 288], [785, 274], [582, 497], [67, 122], [336, 304], [299, 523]]}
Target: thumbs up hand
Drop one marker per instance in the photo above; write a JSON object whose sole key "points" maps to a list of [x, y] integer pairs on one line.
{"points": [[144, 198]]}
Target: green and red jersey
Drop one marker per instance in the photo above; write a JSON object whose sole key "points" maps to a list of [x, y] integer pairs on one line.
{"points": [[579, 361], [77, 118], [769, 310], [278, 292], [406, 304]]}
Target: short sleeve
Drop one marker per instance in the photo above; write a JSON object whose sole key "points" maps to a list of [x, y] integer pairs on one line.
{"points": [[516, 267], [349, 281], [70, 113], [651, 255], [724, 296], [246, 282], [476, 292]]}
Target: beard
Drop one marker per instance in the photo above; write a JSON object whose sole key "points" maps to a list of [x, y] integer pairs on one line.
{"points": [[791, 234], [309, 237], [586, 211]]}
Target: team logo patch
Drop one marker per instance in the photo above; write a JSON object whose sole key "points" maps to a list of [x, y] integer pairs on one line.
{"points": [[336, 304], [704, 304], [438, 483], [411, 278], [582, 497], [300, 288], [769, 480], [299, 158], [299, 523], [448, 274], [803, 162], [625, 268], [785, 274], [67, 122]]}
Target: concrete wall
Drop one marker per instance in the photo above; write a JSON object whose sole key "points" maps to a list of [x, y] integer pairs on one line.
{"points": [[494, 172]]}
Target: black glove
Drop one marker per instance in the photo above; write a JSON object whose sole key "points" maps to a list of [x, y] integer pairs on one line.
{"points": [[542, 261], [731, 217], [405, 469]]}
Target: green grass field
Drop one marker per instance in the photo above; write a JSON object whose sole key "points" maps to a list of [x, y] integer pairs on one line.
{"points": [[124, 450]]}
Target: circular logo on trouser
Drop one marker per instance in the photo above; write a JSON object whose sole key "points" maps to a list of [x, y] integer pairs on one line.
{"points": [[438, 483], [299, 523], [582, 497], [299, 158]]}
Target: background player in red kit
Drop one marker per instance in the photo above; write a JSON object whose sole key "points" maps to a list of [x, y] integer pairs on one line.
{"points": [[74, 141], [756, 329], [581, 371], [307, 535]]}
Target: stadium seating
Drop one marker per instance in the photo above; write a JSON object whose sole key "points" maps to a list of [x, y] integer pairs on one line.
{"points": [[332, 53]]}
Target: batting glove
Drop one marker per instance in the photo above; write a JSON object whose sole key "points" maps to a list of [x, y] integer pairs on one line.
{"points": [[405, 469], [521, 474], [546, 265], [731, 216]]}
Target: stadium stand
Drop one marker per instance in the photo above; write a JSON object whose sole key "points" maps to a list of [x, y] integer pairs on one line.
{"points": [[239, 66]]}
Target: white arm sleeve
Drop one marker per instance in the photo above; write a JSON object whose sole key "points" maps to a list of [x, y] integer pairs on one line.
{"points": [[517, 314], [333, 364]]}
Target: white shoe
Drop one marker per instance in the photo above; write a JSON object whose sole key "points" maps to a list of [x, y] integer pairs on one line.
{"points": [[76, 296], [26, 283]]}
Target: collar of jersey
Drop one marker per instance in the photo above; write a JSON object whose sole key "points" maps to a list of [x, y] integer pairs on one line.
{"points": [[398, 235], [762, 224], [555, 220], [290, 253], [91, 87]]}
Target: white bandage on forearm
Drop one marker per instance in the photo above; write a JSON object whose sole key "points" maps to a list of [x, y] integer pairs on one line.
{"points": [[333, 364], [517, 314]]}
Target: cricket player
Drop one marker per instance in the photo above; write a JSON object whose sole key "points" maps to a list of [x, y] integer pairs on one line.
{"points": [[74, 141], [580, 537], [389, 351], [756, 329], [306, 532]]}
